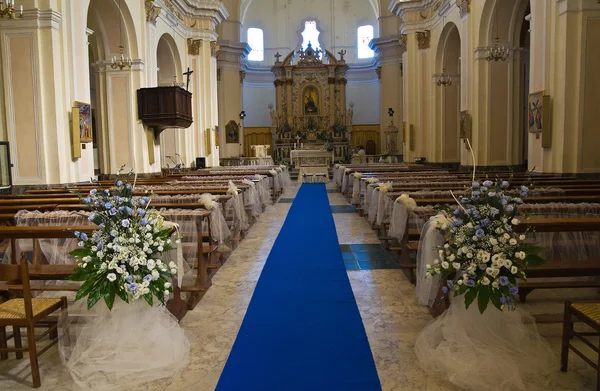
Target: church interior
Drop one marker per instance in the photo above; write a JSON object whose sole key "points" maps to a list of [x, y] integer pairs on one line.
{"points": [[312, 161]]}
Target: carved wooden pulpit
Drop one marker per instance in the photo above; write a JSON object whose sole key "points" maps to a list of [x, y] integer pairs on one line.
{"points": [[160, 108]]}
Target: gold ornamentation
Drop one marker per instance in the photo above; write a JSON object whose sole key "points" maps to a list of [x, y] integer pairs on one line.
{"points": [[194, 46], [214, 48], [403, 41], [464, 6], [423, 38], [152, 11], [171, 7]]}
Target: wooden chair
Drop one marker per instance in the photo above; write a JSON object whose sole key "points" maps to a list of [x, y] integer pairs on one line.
{"points": [[27, 312], [588, 313]]}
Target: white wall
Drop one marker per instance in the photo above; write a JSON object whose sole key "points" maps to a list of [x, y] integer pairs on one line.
{"points": [[256, 99], [365, 96], [283, 20]]}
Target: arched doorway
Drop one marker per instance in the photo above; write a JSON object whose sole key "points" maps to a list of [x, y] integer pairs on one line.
{"points": [[448, 96], [169, 73], [117, 129]]}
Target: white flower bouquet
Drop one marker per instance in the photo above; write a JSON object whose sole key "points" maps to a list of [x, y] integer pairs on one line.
{"points": [[483, 256], [121, 258]]}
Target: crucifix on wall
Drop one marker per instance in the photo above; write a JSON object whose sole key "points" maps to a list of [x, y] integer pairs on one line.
{"points": [[188, 74]]}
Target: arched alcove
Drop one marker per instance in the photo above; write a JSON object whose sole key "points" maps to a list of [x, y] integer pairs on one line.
{"points": [[448, 96], [169, 72]]}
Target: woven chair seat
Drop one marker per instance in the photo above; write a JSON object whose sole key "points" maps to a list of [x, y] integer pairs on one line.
{"points": [[15, 308], [591, 310]]}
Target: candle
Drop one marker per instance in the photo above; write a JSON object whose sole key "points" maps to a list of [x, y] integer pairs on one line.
{"points": [[294, 145], [301, 145], [21, 9]]}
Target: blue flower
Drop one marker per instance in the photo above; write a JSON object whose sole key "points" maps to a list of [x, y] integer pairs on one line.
{"points": [[476, 213], [83, 236], [92, 217], [119, 183], [505, 185], [510, 208], [142, 202], [112, 212], [488, 183], [87, 200], [475, 184], [503, 280], [456, 223], [99, 245], [128, 186], [518, 200], [450, 284], [128, 210], [129, 279], [504, 201], [514, 290], [125, 223], [93, 192], [121, 208], [484, 189], [106, 191], [476, 193], [494, 211], [507, 227], [77, 234], [133, 286], [108, 205], [81, 244], [148, 278], [479, 233], [524, 189], [141, 211], [143, 222], [504, 300], [445, 290], [470, 283], [523, 194], [456, 212], [484, 222]]}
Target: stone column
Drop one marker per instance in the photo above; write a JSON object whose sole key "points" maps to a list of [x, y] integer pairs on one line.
{"points": [[390, 50], [229, 62], [331, 82], [289, 82]]}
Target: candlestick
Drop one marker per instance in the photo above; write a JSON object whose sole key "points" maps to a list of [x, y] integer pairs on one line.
{"points": [[301, 145], [294, 145]]}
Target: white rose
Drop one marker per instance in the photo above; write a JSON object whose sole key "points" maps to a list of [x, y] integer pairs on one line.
{"points": [[506, 236], [512, 242], [451, 258], [514, 270], [436, 261], [515, 221], [495, 284], [446, 245], [167, 293], [111, 277], [493, 241], [459, 282], [521, 255], [456, 265], [167, 285], [155, 275], [469, 255], [485, 281], [445, 265], [490, 271], [145, 291], [151, 264], [507, 263], [173, 271], [522, 237], [84, 265], [172, 265]]}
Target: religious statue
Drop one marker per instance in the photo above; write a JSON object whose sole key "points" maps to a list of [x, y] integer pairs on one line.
{"points": [[349, 115], [274, 118], [311, 101]]}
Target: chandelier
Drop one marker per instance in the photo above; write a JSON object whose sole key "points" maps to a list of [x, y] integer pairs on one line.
{"points": [[443, 79], [497, 52], [120, 62], [8, 10]]}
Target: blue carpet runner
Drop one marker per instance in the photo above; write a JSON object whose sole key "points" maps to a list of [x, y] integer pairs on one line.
{"points": [[302, 330]]}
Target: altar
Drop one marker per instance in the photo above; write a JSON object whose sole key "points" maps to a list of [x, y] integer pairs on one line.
{"points": [[311, 158]]}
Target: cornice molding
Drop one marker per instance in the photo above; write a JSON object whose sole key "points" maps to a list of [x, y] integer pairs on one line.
{"points": [[34, 19]]}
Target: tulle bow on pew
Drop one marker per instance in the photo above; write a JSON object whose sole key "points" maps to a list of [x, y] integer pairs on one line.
{"points": [[402, 207], [218, 225], [356, 188], [430, 242]]}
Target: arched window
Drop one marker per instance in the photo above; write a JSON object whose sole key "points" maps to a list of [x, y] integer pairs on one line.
{"points": [[310, 34], [257, 43], [365, 35]]}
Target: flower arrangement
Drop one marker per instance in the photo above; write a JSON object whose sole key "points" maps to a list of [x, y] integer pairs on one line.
{"points": [[121, 258], [311, 124], [483, 256], [285, 127], [338, 128], [323, 135]]}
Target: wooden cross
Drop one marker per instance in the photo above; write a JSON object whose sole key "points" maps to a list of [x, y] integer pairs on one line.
{"points": [[188, 74], [341, 53], [277, 56], [298, 141]]}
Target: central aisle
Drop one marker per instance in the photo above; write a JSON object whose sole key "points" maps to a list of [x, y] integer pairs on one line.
{"points": [[302, 330]]}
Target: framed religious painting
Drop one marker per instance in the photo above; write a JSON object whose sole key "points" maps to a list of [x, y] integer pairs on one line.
{"points": [[535, 111], [232, 133], [311, 100], [84, 121]]}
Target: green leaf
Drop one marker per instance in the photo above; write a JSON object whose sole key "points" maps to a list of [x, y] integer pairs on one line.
{"points": [[94, 297], [534, 260], [148, 298], [483, 298], [495, 297], [85, 289], [122, 295], [470, 297], [81, 252], [109, 297]]}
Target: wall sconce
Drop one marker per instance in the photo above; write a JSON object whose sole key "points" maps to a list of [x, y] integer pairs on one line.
{"points": [[391, 112], [7, 9], [242, 116]]}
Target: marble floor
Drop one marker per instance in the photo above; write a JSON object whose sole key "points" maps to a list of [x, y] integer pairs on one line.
{"points": [[385, 299]]}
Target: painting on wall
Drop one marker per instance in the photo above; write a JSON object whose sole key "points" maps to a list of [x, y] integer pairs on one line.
{"points": [[232, 133], [84, 121], [536, 112], [311, 100]]}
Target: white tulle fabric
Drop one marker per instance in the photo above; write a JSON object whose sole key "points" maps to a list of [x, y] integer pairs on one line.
{"points": [[218, 226], [429, 244], [240, 221], [373, 203], [403, 206], [384, 188], [356, 189], [496, 350], [119, 349]]}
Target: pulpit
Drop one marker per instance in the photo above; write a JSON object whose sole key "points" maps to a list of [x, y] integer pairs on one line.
{"points": [[160, 108]]}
